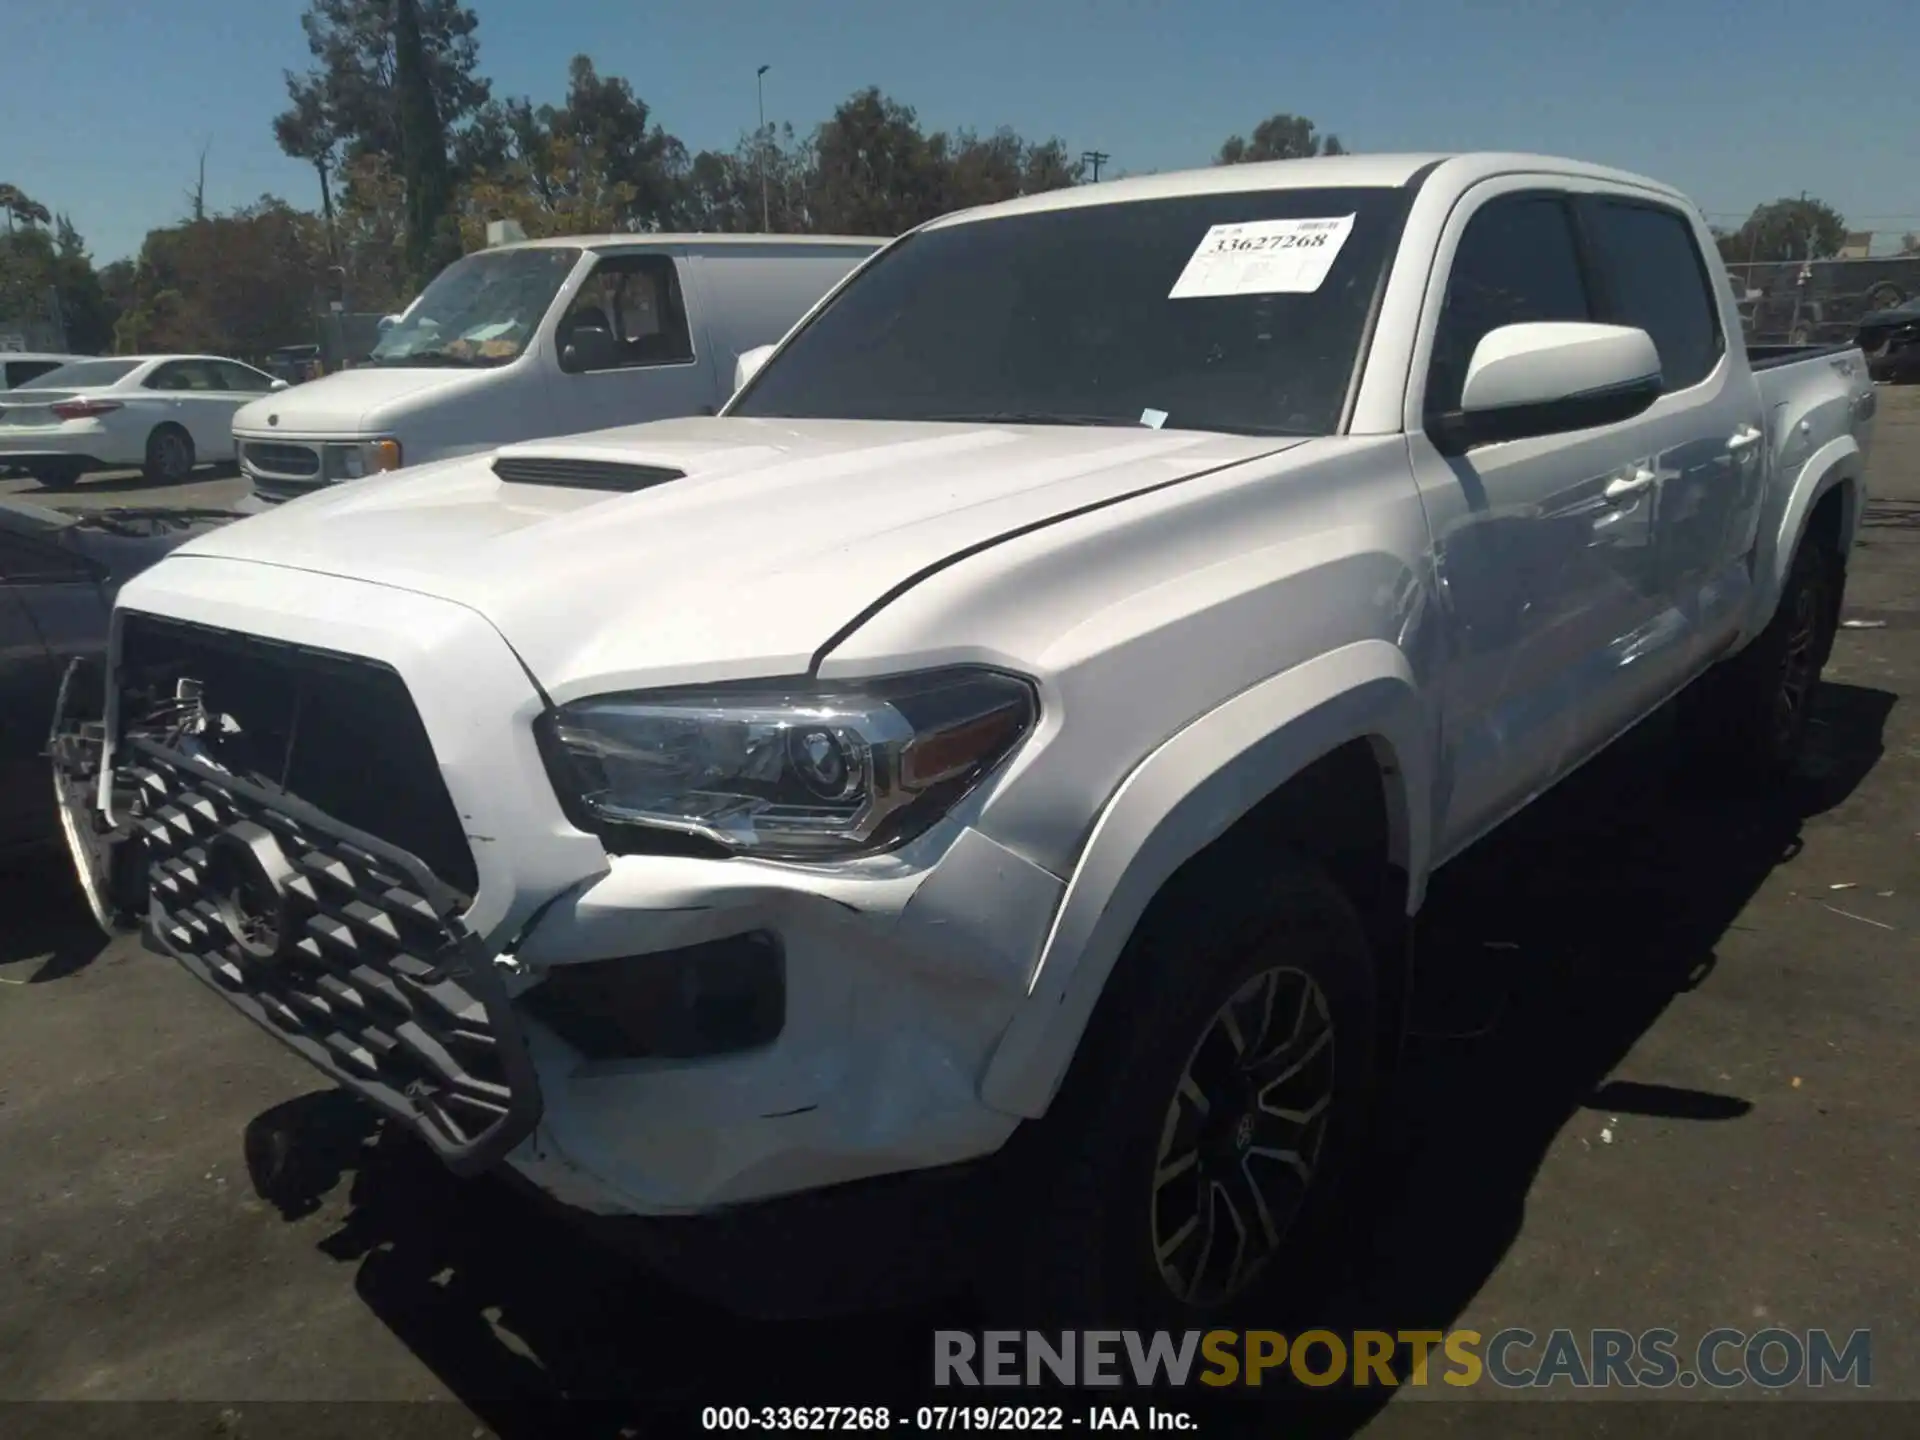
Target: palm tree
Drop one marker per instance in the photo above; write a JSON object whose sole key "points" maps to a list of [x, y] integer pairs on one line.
{"points": [[22, 207]]}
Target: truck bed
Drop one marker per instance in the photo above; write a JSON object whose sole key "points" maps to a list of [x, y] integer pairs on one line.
{"points": [[1767, 357]]}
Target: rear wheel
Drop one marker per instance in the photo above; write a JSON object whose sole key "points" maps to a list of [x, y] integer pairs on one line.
{"points": [[1221, 1090], [169, 456], [1749, 716]]}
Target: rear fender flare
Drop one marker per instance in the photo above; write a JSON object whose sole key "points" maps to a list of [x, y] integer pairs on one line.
{"points": [[1181, 798], [1838, 462]]}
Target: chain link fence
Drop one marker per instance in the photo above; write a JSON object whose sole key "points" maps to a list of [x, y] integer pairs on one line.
{"points": [[1793, 302]]}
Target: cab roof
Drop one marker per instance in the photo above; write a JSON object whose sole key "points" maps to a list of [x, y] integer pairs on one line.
{"points": [[1327, 171], [649, 239]]}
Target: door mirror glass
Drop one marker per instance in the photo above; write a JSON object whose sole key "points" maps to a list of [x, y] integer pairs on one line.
{"points": [[1549, 378], [748, 365]]}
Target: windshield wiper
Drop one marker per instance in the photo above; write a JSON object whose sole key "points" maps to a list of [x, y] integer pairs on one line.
{"points": [[1034, 417]]}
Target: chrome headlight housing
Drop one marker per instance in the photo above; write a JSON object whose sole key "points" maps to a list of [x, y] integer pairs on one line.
{"points": [[795, 770]]}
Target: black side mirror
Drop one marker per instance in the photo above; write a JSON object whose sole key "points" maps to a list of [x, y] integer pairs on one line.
{"points": [[589, 348]]}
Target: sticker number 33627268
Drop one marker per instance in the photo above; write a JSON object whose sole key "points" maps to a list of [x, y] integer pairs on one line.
{"points": [[1263, 257]]}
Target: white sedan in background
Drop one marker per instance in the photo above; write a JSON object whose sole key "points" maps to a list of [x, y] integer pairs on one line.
{"points": [[162, 413]]}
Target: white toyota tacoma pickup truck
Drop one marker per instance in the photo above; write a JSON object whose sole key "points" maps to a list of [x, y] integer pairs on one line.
{"points": [[999, 756]]}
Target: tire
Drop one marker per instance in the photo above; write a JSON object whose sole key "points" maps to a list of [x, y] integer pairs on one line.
{"points": [[1747, 718], [56, 474], [170, 458], [1106, 1186]]}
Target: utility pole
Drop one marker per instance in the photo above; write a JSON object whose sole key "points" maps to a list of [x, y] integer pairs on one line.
{"points": [[760, 95], [1094, 159]]}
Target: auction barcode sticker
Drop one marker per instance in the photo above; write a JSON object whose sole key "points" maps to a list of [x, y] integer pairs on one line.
{"points": [[1263, 257]]}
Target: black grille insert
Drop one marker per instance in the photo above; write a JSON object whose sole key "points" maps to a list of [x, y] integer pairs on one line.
{"points": [[347, 948], [299, 461], [338, 732], [582, 474]]}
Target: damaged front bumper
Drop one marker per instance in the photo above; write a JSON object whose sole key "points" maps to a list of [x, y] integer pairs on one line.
{"points": [[892, 981]]}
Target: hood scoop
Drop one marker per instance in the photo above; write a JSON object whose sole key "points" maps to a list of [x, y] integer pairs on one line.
{"points": [[561, 472]]}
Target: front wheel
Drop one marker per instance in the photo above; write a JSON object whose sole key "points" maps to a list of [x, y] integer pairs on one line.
{"points": [[1749, 716], [1219, 1093]]}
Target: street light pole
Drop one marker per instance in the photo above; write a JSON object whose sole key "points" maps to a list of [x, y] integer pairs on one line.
{"points": [[760, 95]]}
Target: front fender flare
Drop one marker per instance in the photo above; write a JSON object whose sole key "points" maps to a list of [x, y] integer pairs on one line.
{"points": [[1182, 797]]}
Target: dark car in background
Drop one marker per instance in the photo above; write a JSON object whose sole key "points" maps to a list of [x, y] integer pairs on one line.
{"points": [[59, 571], [1891, 340]]}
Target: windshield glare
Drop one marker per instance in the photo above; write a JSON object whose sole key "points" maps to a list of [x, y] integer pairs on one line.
{"points": [[1065, 317], [481, 310], [84, 374]]}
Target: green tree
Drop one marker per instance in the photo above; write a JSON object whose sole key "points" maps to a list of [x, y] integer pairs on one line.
{"points": [[84, 306], [576, 156], [307, 131], [1786, 229], [239, 284], [46, 274], [721, 189], [982, 171], [372, 222], [432, 240], [1278, 137], [874, 172], [22, 208], [350, 99]]}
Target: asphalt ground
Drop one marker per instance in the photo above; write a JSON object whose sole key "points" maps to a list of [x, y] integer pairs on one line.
{"points": [[1673, 1084], [213, 486]]}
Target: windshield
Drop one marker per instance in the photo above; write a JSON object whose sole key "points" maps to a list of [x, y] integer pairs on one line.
{"points": [[85, 373], [1136, 313], [478, 311]]}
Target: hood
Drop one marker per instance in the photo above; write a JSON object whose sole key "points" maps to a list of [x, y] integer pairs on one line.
{"points": [[353, 402], [1906, 313], [763, 538], [123, 542]]}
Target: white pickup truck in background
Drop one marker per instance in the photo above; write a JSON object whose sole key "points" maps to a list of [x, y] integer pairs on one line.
{"points": [[998, 758], [545, 337]]}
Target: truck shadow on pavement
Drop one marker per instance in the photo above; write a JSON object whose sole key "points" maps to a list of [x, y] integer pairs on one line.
{"points": [[43, 918], [1566, 935]]}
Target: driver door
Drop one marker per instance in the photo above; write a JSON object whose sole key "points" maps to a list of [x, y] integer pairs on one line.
{"points": [[652, 369], [1543, 563]]}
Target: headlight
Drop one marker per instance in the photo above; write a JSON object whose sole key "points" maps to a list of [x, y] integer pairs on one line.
{"points": [[792, 771], [353, 459]]}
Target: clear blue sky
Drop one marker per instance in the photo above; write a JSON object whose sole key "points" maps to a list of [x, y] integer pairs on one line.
{"points": [[104, 103]]}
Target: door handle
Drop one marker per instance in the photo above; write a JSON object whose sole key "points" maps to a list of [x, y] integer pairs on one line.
{"points": [[1744, 438], [1626, 487]]}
